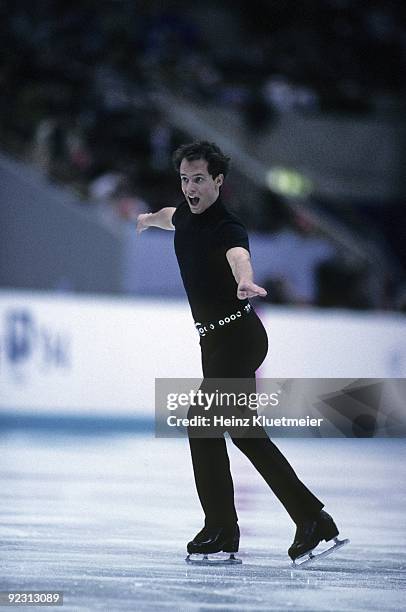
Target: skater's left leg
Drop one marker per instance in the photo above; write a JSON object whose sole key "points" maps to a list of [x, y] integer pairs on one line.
{"points": [[311, 532], [277, 472], [313, 524]]}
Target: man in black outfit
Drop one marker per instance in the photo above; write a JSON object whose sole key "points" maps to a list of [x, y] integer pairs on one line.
{"points": [[212, 249]]}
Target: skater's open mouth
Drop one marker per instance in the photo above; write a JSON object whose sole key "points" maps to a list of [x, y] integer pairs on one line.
{"points": [[194, 201]]}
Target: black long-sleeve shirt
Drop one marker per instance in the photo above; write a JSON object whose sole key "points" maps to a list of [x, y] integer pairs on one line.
{"points": [[201, 243]]}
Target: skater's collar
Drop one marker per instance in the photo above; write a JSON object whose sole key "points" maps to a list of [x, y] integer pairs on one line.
{"points": [[211, 210]]}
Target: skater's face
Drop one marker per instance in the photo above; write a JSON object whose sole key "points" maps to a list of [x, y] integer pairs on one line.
{"points": [[200, 189]]}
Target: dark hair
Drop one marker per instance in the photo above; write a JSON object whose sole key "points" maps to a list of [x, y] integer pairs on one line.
{"points": [[217, 162]]}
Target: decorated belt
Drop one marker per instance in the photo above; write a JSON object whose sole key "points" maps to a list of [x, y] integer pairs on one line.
{"points": [[205, 328]]}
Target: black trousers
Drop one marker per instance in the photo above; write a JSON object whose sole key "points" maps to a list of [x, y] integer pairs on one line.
{"points": [[236, 352]]}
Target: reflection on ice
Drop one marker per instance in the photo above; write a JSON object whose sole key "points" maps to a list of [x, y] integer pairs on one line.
{"points": [[106, 521]]}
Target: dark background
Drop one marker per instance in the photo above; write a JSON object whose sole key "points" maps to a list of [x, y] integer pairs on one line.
{"points": [[96, 95]]}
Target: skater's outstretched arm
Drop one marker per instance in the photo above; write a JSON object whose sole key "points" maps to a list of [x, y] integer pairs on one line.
{"points": [[240, 264], [161, 219]]}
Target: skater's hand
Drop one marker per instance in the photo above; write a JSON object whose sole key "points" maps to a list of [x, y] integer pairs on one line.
{"points": [[248, 289], [162, 219], [143, 222]]}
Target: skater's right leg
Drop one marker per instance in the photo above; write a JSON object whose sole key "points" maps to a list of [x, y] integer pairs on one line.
{"points": [[214, 484], [215, 539], [236, 352]]}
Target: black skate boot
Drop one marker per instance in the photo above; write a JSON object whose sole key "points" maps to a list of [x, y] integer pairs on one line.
{"points": [[310, 533], [212, 540]]}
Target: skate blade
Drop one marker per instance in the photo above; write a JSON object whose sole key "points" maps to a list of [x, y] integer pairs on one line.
{"points": [[309, 557], [199, 559]]}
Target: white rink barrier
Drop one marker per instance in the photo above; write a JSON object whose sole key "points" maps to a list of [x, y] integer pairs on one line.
{"points": [[100, 356]]}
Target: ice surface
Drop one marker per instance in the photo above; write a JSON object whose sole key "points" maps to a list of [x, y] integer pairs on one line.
{"points": [[105, 519]]}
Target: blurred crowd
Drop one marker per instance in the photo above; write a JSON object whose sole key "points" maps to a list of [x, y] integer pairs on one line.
{"points": [[77, 77]]}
